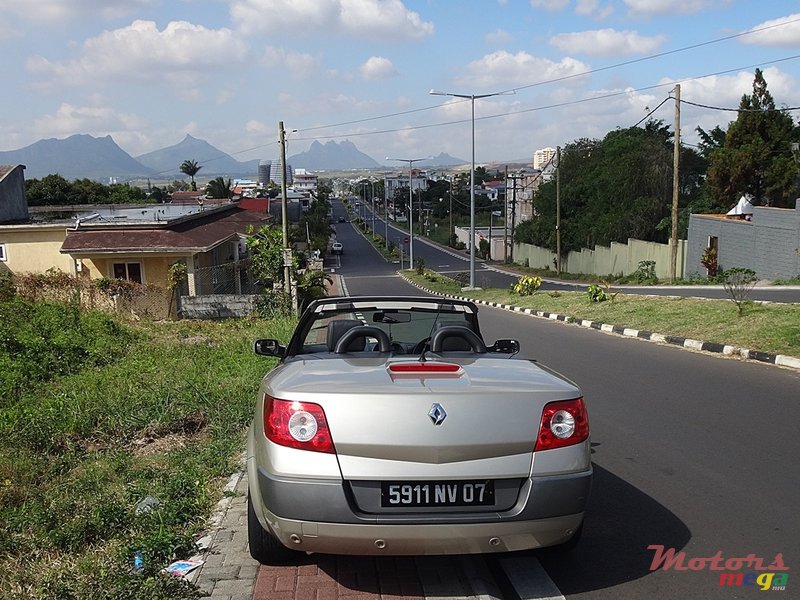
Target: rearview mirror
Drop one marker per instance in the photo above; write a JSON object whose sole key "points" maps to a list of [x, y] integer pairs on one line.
{"points": [[391, 317], [268, 348], [505, 346]]}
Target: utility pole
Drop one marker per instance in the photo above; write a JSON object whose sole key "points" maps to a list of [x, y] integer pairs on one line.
{"points": [[287, 252], [513, 212], [505, 220], [676, 156], [558, 210]]}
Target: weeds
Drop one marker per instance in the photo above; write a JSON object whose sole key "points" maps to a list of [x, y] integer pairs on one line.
{"points": [[155, 409]]}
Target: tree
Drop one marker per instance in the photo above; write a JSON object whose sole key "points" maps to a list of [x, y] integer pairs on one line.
{"points": [[266, 247], [190, 168], [614, 189], [311, 286], [218, 188], [756, 157], [51, 190]]}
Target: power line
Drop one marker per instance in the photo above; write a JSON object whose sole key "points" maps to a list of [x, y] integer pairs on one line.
{"points": [[567, 77], [741, 110]]}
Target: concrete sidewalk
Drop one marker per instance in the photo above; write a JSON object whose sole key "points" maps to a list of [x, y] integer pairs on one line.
{"points": [[229, 572]]}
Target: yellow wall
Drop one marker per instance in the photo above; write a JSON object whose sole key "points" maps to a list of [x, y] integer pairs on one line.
{"points": [[154, 268], [37, 249], [34, 249]]}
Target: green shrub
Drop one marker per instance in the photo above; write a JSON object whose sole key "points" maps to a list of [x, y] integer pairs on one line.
{"points": [[646, 273], [596, 293], [738, 282], [527, 285]]}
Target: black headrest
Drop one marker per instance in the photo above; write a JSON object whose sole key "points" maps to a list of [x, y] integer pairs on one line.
{"points": [[336, 330], [453, 344]]}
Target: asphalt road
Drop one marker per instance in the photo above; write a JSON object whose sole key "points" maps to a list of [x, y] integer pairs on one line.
{"points": [[449, 262], [692, 451]]}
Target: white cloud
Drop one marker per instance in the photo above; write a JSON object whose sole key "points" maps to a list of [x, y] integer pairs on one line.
{"points": [[549, 5], [783, 32], [298, 65], [376, 68], [593, 8], [378, 19], [181, 52], [505, 70], [95, 120], [727, 91], [498, 37], [607, 42], [671, 7], [59, 11]]}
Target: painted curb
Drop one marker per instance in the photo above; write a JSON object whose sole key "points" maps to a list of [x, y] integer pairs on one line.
{"points": [[780, 360]]}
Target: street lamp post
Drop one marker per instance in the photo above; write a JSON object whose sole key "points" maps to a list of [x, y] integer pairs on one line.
{"points": [[410, 162], [471, 98]]}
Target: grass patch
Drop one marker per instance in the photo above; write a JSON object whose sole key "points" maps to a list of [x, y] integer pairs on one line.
{"points": [[164, 414], [766, 327]]}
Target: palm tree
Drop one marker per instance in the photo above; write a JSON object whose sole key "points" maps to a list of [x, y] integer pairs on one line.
{"points": [[218, 188], [191, 168]]}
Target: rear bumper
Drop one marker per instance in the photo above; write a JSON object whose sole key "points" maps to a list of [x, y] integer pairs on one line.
{"points": [[390, 540], [324, 516]]}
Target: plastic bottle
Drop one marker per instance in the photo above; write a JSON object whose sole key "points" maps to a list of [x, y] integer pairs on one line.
{"points": [[138, 562]]}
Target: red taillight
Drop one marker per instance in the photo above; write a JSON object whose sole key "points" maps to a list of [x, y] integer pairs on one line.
{"points": [[297, 425], [564, 423]]}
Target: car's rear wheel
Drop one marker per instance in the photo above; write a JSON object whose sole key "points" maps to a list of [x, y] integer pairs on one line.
{"points": [[264, 547]]}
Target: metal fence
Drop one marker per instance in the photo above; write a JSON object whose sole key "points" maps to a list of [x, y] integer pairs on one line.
{"points": [[137, 302], [228, 278]]}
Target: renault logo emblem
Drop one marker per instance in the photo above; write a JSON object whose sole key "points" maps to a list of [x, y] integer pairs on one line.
{"points": [[437, 413]]}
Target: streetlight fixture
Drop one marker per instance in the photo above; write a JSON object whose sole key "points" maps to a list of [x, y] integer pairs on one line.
{"points": [[410, 162], [471, 98]]}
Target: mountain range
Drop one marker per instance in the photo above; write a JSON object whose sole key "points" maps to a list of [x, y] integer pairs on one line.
{"points": [[100, 158]]}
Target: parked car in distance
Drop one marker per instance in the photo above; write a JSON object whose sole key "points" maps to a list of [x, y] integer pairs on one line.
{"points": [[389, 427], [337, 248], [342, 220]]}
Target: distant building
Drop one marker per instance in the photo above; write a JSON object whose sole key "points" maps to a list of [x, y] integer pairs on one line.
{"points": [[264, 173], [542, 157], [392, 183], [304, 181]]}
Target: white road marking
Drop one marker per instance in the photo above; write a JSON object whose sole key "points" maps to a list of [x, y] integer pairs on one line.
{"points": [[530, 580]]}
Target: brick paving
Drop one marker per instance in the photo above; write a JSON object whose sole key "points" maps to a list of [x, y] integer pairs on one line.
{"points": [[341, 578], [229, 573]]}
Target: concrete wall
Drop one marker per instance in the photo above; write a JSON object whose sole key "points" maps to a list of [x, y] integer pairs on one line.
{"points": [[221, 306], [13, 205], [618, 259], [769, 244]]}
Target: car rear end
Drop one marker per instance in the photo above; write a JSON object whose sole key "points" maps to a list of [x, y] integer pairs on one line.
{"points": [[397, 456]]}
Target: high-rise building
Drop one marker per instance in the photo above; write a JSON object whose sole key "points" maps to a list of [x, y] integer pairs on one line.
{"points": [[264, 172], [542, 157]]}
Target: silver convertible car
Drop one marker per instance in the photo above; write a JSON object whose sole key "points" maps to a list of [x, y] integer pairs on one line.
{"points": [[390, 427]]}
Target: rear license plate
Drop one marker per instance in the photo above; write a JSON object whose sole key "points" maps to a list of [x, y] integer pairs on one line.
{"points": [[437, 493]]}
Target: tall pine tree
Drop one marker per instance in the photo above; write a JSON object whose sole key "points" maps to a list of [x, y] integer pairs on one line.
{"points": [[756, 157]]}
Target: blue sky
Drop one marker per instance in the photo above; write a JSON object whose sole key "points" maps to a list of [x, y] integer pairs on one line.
{"points": [[147, 72]]}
